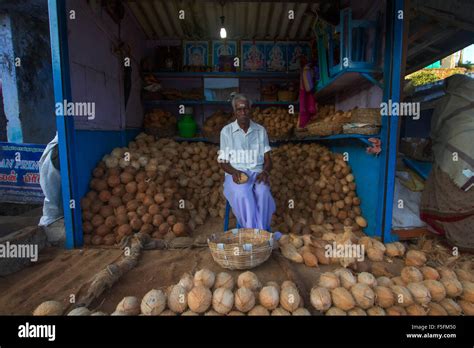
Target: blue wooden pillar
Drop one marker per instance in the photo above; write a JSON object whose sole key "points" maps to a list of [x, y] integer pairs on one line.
{"points": [[393, 71], [65, 125]]}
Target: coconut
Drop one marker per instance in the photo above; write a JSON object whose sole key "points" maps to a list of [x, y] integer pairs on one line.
{"points": [[363, 295], [436, 289], [189, 313], [467, 307], [309, 258], [415, 310], [320, 298], [398, 281], [49, 308], [259, 311], [118, 313], [396, 311], [199, 299], [451, 306], [168, 313], [178, 299], [212, 313], [357, 312], [186, 281], [222, 300], [80, 311], [384, 281], [334, 311], [275, 284], [453, 286], [153, 303], [429, 273], [367, 278], [321, 255], [301, 312], [366, 242], [403, 296], [329, 280], [346, 277], [415, 258], [224, 280], [341, 298], [392, 250], [435, 309], [375, 254], [420, 293], [244, 299], [288, 283], [129, 305], [248, 280], [204, 277], [290, 298], [269, 297], [376, 311], [384, 297], [98, 314], [468, 291], [235, 314], [464, 275], [280, 312], [411, 274], [445, 272], [380, 269]]}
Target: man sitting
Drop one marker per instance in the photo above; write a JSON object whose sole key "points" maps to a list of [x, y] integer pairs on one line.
{"points": [[245, 157]]}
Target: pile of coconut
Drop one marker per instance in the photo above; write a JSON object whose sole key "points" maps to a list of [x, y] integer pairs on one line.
{"points": [[419, 290], [205, 293]]}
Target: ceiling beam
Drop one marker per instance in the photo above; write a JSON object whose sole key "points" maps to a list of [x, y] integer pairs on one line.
{"points": [[446, 18]]}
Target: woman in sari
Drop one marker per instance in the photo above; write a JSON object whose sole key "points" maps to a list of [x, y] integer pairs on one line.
{"points": [[447, 203]]}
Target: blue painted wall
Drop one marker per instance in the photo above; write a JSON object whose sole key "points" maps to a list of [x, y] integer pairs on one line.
{"points": [[365, 168]]}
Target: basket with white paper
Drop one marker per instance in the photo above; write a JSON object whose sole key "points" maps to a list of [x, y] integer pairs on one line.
{"points": [[242, 248]]}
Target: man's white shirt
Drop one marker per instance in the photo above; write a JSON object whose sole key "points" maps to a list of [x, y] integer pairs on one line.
{"points": [[244, 151]]}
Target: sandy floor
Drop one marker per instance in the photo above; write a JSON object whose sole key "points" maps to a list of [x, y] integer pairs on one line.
{"points": [[60, 273]]}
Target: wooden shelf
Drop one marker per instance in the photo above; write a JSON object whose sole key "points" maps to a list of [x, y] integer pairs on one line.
{"points": [[209, 102], [344, 82], [260, 75]]}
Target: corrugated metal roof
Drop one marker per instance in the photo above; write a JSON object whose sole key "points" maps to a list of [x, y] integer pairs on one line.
{"points": [[243, 20], [437, 29]]}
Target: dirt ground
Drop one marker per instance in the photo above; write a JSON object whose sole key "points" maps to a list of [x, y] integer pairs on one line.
{"points": [[60, 273]]}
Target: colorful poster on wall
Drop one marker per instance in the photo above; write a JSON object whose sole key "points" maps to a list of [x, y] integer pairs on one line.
{"points": [[275, 56], [196, 53], [222, 48], [253, 56], [19, 173], [295, 51]]}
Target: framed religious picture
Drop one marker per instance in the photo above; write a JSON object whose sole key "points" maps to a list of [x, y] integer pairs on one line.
{"points": [[253, 56], [296, 50], [196, 53], [276, 56], [223, 51]]}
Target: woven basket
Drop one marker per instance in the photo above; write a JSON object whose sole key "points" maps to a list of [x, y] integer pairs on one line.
{"points": [[366, 129], [367, 115], [323, 129], [243, 248]]}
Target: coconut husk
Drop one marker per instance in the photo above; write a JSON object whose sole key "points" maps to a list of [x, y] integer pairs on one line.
{"points": [[181, 243]]}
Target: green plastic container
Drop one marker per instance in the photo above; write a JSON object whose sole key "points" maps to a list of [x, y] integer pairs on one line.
{"points": [[187, 126]]}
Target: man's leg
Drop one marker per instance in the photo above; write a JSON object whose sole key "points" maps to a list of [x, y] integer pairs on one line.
{"points": [[265, 205], [242, 201]]}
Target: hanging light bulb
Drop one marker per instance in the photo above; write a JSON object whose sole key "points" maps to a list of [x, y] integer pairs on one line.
{"points": [[223, 32]]}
